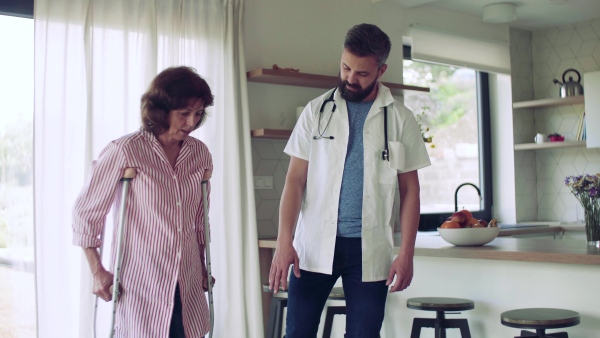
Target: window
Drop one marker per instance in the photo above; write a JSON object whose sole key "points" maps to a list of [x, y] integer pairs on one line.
{"points": [[17, 287], [455, 115]]}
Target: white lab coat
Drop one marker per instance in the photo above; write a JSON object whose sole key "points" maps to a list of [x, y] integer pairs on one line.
{"points": [[315, 234]]}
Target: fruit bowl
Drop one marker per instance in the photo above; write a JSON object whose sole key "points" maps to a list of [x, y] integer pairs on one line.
{"points": [[469, 236]]}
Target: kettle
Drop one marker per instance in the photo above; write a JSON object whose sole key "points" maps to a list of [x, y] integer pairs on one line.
{"points": [[570, 88]]}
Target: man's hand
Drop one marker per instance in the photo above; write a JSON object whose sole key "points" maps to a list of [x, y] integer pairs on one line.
{"points": [[284, 256], [402, 269]]}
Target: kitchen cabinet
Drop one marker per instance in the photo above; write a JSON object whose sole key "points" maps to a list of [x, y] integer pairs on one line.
{"points": [[545, 103], [290, 78]]}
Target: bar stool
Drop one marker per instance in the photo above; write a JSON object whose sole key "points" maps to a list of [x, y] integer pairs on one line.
{"points": [[440, 305], [540, 319], [279, 303], [337, 293]]}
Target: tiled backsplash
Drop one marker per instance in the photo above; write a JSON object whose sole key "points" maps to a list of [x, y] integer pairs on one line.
{"points": [[268, 159], [536, 59]]}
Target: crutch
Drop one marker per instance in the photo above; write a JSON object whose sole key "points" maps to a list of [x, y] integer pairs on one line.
{"points": [[207, 242], [127, 177]]}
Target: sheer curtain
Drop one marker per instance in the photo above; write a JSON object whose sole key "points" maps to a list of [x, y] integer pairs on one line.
{"points": [[93, 61]]}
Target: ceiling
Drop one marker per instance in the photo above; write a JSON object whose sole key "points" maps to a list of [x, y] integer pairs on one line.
{"points": [[531, 14]]}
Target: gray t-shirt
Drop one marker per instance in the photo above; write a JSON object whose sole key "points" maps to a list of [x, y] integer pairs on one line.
{"points": [[351, 192]]}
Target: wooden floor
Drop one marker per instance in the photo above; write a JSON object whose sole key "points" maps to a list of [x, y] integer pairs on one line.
{"points": [[17, 304]]}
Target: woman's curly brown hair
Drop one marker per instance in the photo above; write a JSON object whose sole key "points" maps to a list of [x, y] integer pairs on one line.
{"points": [[172, 89]]}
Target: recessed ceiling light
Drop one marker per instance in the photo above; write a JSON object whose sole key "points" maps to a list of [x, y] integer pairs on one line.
{"points": [[501, 12]]}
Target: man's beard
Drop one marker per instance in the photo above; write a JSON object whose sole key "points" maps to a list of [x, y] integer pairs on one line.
{"points": [[355, 96]]}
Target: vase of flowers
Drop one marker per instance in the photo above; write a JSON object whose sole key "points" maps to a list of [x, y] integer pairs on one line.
{"points": [[586, 189]]}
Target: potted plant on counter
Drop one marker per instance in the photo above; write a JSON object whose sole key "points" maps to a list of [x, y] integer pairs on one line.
{"points": [[586, 189]]}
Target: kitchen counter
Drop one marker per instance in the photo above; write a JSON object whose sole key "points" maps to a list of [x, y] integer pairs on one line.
{"points": [[530, 230], [505, 274], [511, 249], [566, 251]]}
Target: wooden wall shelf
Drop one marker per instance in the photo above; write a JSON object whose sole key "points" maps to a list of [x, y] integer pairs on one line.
{"points": [[271, 134], [549, 145], [285, 77], [543, 103]]}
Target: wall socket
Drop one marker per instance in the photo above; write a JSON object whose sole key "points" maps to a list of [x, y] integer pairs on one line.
{"points": [[263, 182]]}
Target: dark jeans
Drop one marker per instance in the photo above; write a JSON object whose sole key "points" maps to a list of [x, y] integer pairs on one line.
{"points": [[176, 329], [365, 301]]}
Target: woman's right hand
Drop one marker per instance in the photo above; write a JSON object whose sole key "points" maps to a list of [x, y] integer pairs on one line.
{"points": [[103, 281], [284, 256]]}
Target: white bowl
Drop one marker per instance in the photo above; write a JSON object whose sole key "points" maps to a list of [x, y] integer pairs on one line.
{"points": [[469, 236]]}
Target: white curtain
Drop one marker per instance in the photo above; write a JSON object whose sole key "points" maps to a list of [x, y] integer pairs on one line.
{"points": [[93, 61]]}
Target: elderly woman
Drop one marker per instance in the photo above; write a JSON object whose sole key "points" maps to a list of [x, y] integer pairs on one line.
{"points": [[163, 274]]}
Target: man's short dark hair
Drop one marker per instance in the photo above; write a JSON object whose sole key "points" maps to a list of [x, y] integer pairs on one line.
{"points": [[368, 40]]}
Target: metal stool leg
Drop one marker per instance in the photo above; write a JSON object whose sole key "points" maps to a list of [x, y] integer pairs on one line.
{"points": [[331, 311], [541, 333], [558, 335], [440, 324], [525, 333], [440, 327], [461, 324], [418, 324], [275, 327]]}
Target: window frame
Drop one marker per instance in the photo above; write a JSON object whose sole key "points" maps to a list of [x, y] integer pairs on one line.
{"points": [[431, 221], [20, 8]]}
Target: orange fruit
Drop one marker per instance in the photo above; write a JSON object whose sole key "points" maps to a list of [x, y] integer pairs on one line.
{"points": [[450, 225], [472, 222], [467, 213], [458, 217]]}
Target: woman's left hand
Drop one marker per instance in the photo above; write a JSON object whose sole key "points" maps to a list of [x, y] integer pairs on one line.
{"points": [[205, 284]]}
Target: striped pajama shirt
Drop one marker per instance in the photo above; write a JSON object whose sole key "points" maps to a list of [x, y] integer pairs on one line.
{"points": [[164, 234]]}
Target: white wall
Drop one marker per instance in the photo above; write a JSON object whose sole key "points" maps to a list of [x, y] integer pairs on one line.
{"points": [[503, 163]]}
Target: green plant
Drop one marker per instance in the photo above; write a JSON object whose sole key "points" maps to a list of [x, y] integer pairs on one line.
{"points": [[421, 119]]}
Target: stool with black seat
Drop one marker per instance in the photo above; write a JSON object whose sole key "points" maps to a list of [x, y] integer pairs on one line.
{"points": [[540, 319], [279, 303], [442, 306]]}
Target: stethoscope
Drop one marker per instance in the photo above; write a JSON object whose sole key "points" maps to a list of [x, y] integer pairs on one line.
{"points": [[385, 154]]}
